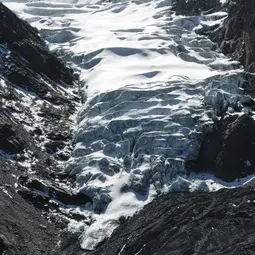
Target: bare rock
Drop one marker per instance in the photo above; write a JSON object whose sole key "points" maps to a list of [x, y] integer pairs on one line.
{"points": [[228, 151]]}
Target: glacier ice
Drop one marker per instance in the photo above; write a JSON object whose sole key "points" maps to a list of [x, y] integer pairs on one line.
{"points": [[151, 88]]}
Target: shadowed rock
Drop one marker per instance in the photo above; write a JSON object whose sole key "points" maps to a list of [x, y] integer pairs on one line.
{"points": [[194, 7], [189, 223], [28, 58], [34, 121], [239, 31], [54, 192], [229, 151], [236, 35]]}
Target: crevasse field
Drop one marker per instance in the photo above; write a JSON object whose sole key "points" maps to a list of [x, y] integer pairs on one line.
{"points": [[150, 87]]}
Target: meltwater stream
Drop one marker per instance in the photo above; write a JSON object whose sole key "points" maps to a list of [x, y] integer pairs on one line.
{"points": [[150, 87]]}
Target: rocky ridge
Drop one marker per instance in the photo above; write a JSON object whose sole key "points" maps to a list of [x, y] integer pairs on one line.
{"points": [[40, 94], [189, 223], [238, 33]]}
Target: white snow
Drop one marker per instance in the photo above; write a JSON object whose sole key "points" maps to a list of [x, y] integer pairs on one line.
{"points": [[150, 86], [5, 191]]}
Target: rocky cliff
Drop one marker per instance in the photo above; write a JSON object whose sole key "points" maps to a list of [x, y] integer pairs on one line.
{"points": [[38, 94], [195, 7], [238, 33]]}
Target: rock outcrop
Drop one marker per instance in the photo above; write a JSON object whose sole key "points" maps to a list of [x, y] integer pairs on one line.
{"points": [[22, 228], [194, 7], [235, 35], [189, 223], [229, 150], [238, 33], [27, 63], [38, 99], [37, 92]]}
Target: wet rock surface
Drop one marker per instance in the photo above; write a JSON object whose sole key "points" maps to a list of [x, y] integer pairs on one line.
{"points": [[189, 223]]}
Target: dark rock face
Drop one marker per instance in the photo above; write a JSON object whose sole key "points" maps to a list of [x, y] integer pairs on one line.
{"points": [[238, 33], [29, 63], [189, 223], [238, 152], [22, 228], [9, 141], [35, 103], [229, 151], [53, 191], [38, 97], [194, 7]]}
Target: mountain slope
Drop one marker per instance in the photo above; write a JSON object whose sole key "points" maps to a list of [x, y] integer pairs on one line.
{"points": [[37, 103], [152, 89], [199, 223]]}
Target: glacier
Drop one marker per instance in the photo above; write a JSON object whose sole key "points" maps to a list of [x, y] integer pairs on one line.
{"points": [[150, 89]]}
